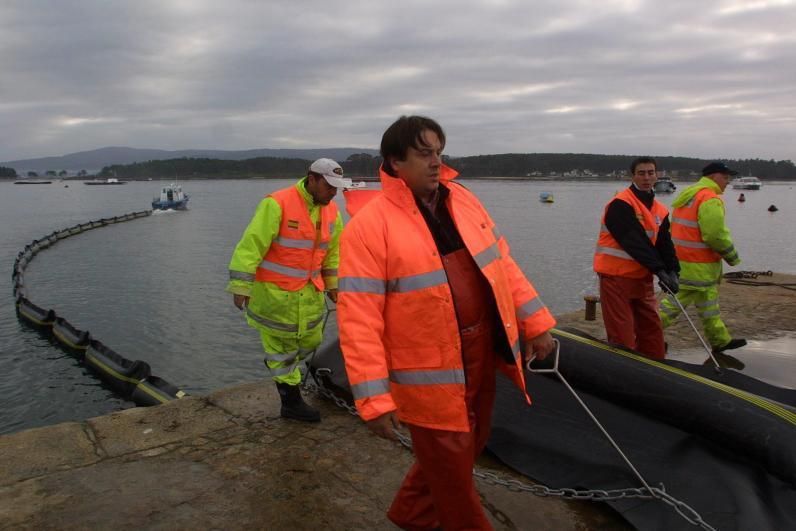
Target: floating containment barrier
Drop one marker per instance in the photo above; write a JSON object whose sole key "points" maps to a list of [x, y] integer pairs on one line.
{"points": [[132, 380]]}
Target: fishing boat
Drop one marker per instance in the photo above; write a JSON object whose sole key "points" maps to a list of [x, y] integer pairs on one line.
{"points": [[664, 185], [546, 197], [747, 183], [171, 198], [109, 180]]}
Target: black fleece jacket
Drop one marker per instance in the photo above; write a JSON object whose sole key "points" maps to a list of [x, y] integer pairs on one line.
{"points": [[620, 218]]}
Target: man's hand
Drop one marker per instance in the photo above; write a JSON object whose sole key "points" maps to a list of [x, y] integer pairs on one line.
{"points": [[539, 346], [332, 294], [668, 281], [240, 301], [383, 426]]}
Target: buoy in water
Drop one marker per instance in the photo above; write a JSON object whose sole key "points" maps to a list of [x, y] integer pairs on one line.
{"points": [[741, 198], [772, 208]]}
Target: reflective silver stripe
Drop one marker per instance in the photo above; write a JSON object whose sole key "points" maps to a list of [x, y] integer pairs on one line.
{"points": [[331, 228], [614, 252], [280, 357], [280, 371], [416, 282], [331, 272], [515, 349], [323, 245], [709, 313], [706, 304], [496, 232], [487, 256], [698, 283], [287, 327], [438, 377], [284, 270], [650, 233], [370, 388], [294, 243], [529, 308], [686, 222], [313, 324], [728, 250], [240, 275], [693, 245], [362, 285]]}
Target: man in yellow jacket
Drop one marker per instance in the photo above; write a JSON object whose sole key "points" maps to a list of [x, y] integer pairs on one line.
{"points": [[284, 262], [431, 304], [702, 240]]}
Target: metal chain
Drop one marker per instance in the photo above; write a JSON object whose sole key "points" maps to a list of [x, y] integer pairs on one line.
{"points": [[597, 495]]}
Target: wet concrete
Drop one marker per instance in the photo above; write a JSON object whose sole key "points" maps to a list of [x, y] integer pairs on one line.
{"points": [[227, 461]]}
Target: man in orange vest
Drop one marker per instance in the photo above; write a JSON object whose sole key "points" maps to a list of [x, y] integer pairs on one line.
{"points": [[702, 241], [285, 261], [634, 243], [431, 304]]}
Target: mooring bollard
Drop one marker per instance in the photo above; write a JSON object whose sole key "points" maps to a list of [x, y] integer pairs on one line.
{"points": [[591, 307]]}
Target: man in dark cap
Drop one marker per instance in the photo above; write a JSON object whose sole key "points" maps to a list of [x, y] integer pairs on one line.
{"points": [[702, 241]]}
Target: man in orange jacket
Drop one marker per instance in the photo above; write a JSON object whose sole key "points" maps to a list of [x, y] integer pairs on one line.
{"points": [[430, 304], [635, 241]]}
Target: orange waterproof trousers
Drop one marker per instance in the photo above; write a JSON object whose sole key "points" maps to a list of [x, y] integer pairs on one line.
{"points": [[438, 491], [630, 314]]}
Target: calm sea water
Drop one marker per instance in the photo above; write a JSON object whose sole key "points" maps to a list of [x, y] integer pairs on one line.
{"points": [[153, 288]]}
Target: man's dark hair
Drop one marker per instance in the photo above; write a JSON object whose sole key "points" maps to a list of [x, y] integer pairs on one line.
{"points": [[642, 160], [406, 132]]}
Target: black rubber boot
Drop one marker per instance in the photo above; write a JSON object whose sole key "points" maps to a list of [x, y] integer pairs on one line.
{"points": [[294, 407], [731, 344]]}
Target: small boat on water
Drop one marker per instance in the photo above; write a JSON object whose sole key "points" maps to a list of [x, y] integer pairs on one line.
{"points": [[664, 185], [109, 180], [546, 197], [747, 183], [171, 198], [31, 181]]}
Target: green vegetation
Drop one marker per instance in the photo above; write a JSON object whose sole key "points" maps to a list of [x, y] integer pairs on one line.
{"points": [[7, 173], [531, 165]]}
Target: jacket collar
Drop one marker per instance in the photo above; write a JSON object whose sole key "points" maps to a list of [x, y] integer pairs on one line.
{"points": [[301, 186], [395, 189]]}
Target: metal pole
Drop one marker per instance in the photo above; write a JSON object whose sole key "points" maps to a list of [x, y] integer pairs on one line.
{"points": [[682, 309]]}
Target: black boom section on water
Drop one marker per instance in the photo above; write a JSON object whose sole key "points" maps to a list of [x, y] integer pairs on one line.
{"points": [[132, 380], [713, 441]]}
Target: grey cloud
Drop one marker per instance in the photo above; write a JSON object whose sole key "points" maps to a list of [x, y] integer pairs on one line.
{"points": [[712, 79]]}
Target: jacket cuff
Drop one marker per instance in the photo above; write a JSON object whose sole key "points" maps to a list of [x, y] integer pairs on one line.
{"points": [[239, 287]]}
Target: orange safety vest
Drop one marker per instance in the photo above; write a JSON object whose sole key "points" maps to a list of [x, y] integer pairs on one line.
{"points": [[398, 329], [609, 257], [686, 235], [296, 254]]}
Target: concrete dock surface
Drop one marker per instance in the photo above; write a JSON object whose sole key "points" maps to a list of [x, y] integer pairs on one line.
{"points": [[228, 461]]}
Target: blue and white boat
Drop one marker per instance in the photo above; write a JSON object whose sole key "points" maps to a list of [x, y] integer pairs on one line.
{"points": [[171, 198]]}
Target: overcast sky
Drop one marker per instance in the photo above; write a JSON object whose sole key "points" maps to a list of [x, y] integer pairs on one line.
{"points": [[666, 77]]}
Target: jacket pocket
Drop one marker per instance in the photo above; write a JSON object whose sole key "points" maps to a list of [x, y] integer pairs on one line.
{"points": [[415, 358]]}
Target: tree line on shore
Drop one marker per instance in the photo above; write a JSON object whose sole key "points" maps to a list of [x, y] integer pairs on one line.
{"points": [[532, 165], [510, 165]]}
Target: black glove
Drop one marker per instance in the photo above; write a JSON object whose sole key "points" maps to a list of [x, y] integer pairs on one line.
{"points": [[668, 281]]}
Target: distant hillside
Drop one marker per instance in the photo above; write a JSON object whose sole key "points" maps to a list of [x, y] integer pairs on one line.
{"points": [[92, 161], [509, 165]]}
